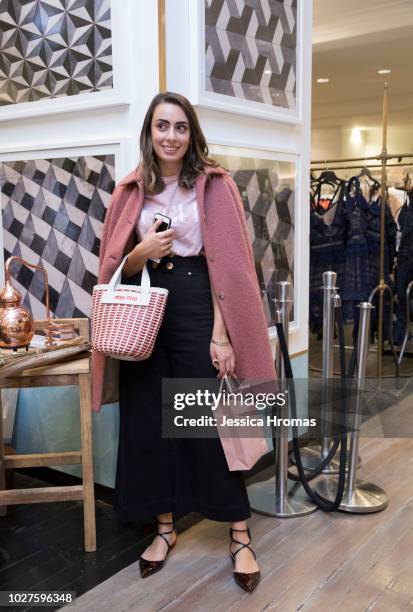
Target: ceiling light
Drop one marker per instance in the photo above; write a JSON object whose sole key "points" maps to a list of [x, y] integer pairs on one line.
{"points": [[267, 71], [384, 71], [323, 80]]}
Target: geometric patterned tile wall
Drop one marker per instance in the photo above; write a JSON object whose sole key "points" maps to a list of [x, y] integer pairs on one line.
{"points": [[267, 190], [53, 212], [53, 48], [250, 50]]}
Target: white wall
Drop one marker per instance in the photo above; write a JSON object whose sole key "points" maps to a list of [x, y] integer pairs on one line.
{"points": [[338, 143], [326, 143]]}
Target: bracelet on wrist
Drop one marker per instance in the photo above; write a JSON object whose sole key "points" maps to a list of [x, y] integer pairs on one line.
{"points": [[218, 343]]}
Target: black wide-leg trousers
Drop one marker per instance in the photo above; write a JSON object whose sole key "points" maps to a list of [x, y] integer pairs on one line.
{"points": [[155, 474]]}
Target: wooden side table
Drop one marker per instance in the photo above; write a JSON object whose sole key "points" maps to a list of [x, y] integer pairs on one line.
{"points": [[76, 372]]}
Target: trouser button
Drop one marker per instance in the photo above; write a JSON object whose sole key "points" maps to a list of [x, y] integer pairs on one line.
{"points": [[169, 265]]}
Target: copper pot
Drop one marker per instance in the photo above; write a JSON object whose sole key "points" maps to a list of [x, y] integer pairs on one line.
{"points": [[16, 323]]}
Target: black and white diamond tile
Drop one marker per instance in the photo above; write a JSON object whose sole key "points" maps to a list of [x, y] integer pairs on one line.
{"points": [[267, 190], [250, 50], [53, 212], [53, 48]]}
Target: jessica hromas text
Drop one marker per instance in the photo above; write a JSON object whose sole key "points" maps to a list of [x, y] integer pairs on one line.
{"points": [[246, 421]]}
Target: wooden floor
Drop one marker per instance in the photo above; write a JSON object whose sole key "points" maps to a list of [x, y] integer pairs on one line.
{"points": [[42, 547], [321, 562]]}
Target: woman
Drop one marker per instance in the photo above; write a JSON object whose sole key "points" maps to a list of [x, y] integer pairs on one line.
{"points": [[214, 320]]}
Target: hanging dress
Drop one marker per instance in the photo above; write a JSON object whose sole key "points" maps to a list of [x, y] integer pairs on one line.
{"points": [[404, 269], [355, 286], [327, 250], [373, 218]]}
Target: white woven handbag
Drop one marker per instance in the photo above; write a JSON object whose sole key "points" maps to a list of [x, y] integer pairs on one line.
{"points": [[126, 318]]}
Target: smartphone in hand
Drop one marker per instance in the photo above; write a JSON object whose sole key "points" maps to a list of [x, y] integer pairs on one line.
{"points": [[166, 222], [165, 225]]}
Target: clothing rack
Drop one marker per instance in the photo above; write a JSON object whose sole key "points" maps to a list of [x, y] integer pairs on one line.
{"points": [[398, 156], [370, 166], [384, 157]]}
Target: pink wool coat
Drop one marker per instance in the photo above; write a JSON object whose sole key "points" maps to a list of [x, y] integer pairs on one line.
{"points": [[230, 264]]}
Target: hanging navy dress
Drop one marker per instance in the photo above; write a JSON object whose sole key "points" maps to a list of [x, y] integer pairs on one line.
{"points": [[327, 252], [373, 242], [355, 287], [404, 269], [373, 215]]}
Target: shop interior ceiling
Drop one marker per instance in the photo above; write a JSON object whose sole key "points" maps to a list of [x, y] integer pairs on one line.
{"points": [[352, 40]]}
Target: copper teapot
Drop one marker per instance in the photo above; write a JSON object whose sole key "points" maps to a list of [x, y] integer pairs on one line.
{"points": [[16, 323]]}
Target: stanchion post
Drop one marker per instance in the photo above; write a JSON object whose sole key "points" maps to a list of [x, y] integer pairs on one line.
{"points": [[314, 454], [362, 351], [281, 316], [278, 496], [329, 290], [359, 496]]}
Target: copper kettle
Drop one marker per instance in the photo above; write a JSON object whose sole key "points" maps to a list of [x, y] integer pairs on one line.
{"points": [[16, 323]]}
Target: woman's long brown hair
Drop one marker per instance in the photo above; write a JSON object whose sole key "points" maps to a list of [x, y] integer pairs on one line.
{"points": [[196, 157]]}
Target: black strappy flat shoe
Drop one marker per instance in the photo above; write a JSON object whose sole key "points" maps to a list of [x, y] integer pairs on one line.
{"points": [[249, 581], [147, 567]]}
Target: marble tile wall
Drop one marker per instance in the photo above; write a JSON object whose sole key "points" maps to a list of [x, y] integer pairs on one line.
{"points": [[267, 190], [250, 50], [53, 212], [54, 48]]}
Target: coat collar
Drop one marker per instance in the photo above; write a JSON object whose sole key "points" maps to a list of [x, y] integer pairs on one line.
{"points": [[135, 177]]}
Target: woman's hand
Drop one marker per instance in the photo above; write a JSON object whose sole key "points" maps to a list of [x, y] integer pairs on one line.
{"points": [[223, 358], [152, 246], [157, 244]]}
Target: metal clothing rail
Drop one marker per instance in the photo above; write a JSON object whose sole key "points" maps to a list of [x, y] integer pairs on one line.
{"points": [[370, 166], [365, 159]]}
